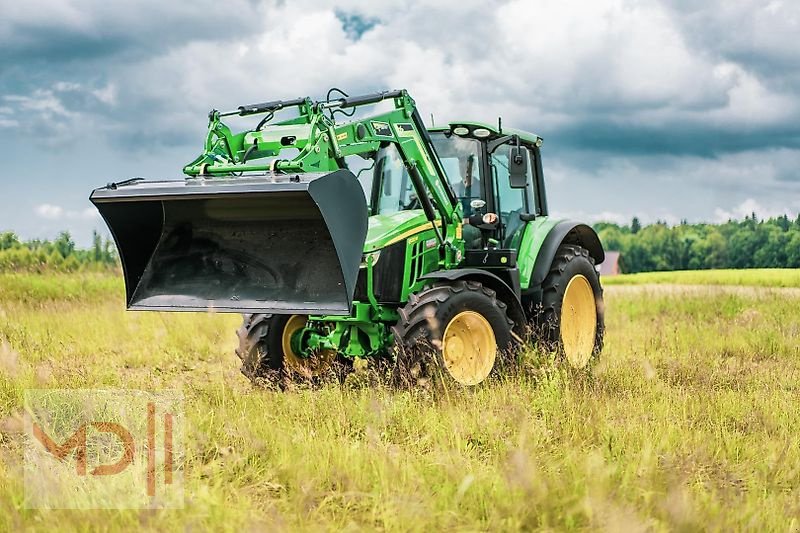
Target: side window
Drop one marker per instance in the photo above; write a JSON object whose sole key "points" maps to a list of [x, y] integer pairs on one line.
{"points": [[396, 190], [510, 202], [363, 170]]}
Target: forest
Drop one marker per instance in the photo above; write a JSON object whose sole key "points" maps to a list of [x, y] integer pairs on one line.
{"points": [[59, 255], [748, 243]]}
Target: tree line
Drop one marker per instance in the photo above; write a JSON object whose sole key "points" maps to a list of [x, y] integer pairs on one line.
{"points": [[59, 255], [748, 243]]}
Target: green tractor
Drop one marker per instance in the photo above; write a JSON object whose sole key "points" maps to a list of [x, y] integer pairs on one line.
{"points": [[373, 237]]}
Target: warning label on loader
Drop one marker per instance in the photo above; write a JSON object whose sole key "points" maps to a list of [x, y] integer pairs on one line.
{"points": [[381, 128]]}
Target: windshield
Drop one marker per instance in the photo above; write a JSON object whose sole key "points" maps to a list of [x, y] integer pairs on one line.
{"points": [[461, 161], [388, 187], [385, 180], [396, 191]]}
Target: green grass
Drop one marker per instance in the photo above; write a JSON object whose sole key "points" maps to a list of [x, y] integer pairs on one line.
{"points": [[39, 289], [761, 277], [688, 422]]}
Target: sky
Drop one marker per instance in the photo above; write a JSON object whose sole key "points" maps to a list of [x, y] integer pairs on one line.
{"points": [[665, 110]]}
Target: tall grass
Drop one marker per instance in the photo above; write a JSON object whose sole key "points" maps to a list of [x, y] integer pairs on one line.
{"points": [[688, 422]]}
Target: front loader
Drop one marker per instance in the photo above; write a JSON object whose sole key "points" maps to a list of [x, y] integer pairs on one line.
{"points": [[374, 237]]}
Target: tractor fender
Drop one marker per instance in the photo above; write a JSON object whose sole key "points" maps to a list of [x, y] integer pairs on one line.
{"points": [[504, 293], [565, 232]]}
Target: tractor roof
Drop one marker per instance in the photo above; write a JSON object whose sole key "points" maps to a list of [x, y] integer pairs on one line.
{"points": [[492, 128]]}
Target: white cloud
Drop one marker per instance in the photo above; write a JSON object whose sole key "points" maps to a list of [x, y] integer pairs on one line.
{"points": [[107, 94], [557, 65], [49, 211], [544, 67], [89, 213], [42, 101], [6, 122], [750, 206], [738, 212], [61, 110], [620, 218], [56, 212], [66, 86]]}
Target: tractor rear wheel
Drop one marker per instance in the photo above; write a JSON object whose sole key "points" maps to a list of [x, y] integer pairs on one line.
{"points": [[267, 354], [454, 332], [572, 314]]}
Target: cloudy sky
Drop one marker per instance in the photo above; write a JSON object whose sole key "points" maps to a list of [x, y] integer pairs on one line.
{"points": [[661, 109]]}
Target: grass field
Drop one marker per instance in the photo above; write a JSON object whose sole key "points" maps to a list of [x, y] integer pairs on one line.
{"points": [[688, 422], [759, 277]]}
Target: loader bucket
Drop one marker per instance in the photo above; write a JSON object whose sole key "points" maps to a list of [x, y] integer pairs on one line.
{"points": [[284, 245]]}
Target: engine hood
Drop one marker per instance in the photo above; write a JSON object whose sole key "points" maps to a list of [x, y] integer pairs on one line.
{"points": [[390, 228]]}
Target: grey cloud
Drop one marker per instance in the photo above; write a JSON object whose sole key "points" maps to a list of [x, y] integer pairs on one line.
{"points": [[60, 31], [760, 35], [184, 61], [678, 139]]}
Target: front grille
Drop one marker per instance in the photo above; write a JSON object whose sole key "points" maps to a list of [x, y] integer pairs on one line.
{"points": [[387, 276]]}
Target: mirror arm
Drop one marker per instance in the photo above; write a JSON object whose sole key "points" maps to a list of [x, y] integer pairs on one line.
{"points": [[492, 146]]}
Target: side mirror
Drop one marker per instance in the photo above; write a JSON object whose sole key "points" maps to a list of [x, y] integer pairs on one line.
{"points": [[518, 167]]}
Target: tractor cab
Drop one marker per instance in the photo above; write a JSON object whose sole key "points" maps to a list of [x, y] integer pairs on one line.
{"points": [[475, 158], [480, 167]]}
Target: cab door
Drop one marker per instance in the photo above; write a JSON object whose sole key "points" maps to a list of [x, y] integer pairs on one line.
{"points": [[507, 202]]}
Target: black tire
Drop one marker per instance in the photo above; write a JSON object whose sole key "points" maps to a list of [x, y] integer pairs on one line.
{"points": [[423, 320], [261, 351], [260, 347], [570, 261]]}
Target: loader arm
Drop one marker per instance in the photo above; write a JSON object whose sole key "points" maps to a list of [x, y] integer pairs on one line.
{"points": [[321, 146], [236, 235]]}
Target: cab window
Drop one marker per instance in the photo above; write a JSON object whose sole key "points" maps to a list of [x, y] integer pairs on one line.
{"points": [[395, 189], [510, 203], [362, 167], [462, 164]]}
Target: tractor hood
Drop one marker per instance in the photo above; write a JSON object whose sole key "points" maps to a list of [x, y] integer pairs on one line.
{"points": [[390, 228]]}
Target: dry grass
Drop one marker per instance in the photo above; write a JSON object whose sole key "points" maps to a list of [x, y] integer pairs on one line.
{"points": [[689, 422]]}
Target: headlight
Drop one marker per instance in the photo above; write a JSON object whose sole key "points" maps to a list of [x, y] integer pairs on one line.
{"points": [[374, 255]]}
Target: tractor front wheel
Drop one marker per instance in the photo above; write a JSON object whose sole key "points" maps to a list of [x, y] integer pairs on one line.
{"points": [[265, 349], [454, 332]]}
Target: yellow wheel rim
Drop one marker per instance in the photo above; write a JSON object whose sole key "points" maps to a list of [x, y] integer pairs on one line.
{"points": [[578, 321], [305, 366], [469, 348]]}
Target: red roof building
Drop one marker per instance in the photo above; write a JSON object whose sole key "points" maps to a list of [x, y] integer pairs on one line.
{"points": [[610, 266]]}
